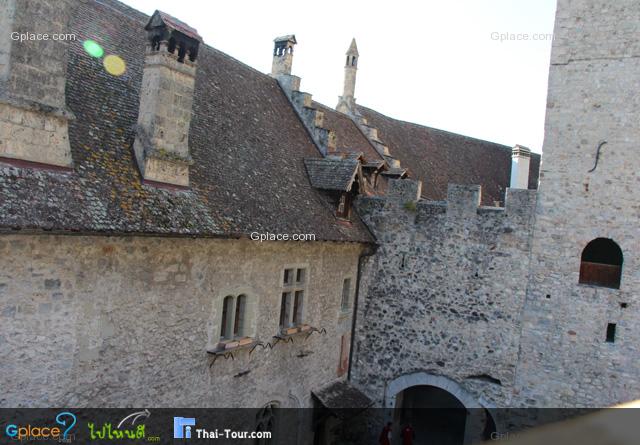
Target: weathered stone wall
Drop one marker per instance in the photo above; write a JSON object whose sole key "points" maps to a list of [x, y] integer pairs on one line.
{"points": [[126, 321], [35, 70], [33, 115], [444, 291], [594, 73]]}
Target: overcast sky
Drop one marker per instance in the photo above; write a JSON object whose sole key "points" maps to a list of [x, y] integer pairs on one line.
{"points": [[437, 63]]}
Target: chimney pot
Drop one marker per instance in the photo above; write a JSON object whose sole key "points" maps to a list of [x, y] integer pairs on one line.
{"points": [[520, 157]]}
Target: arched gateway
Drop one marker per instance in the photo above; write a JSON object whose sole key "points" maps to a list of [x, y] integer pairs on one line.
{"points": [[439, 410]]}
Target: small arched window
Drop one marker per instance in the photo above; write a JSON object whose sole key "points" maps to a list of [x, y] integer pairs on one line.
{"points": [[601, 263], [238, 323], [225, 325]]}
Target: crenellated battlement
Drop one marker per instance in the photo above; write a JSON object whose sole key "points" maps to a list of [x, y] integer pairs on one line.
{"points": [[402, 203]]}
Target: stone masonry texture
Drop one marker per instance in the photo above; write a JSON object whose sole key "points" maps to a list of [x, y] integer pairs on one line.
{"points": [[444, 291], [565, 360], [126, 321], [488, 300]]}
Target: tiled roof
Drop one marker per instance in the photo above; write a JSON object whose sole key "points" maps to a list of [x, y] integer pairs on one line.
{"points": [[349, 138], [247, 143], [439, 157], [332, 174], [180, 26]]}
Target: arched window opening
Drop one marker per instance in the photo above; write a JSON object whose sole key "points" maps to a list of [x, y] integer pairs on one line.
{"points": [[225, 328], [353, 61], [266, 421], [346, 293], [171, 47], [238, 324], [601, 263]]}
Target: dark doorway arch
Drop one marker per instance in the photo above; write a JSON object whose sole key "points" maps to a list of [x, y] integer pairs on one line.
{"points": [[435, 415], [601, 263]]}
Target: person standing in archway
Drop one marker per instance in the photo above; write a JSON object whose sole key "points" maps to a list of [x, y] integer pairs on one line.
{"points": [[408, 435], [385, 435]]}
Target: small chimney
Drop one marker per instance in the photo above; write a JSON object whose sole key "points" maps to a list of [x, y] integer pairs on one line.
{"points": [[520, 157], [347, 102], [33, 114], [166, 97], [283, 55]]}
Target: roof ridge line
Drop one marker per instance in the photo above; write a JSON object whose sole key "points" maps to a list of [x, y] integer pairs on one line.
{"points": [[434, 128]]}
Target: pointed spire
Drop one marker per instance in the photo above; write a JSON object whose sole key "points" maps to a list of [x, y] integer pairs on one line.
{"points": [[353, 48]]}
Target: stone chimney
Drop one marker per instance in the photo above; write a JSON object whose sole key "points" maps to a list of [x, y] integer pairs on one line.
{"points": [[520, 157], [282, 61], [283, 55], [33, 114], [347, 102], [166, 97]]}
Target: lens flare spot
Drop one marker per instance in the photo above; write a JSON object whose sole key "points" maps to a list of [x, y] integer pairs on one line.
{"points": [[93, 48], [114, 65]]}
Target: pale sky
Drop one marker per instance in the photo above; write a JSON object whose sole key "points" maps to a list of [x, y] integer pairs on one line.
{"points": [[433, 62]]}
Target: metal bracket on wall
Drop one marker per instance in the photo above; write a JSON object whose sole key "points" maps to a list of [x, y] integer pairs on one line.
{"points": [[281, 338], [226, 355], [597, 156], [321, 331]]}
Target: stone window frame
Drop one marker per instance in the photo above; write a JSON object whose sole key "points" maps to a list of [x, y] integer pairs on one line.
{"points": [[294, 279], [247, 317]]}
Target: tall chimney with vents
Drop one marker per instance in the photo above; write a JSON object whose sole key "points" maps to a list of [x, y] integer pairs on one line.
{"points": [[520, 157], [283, 55], [166, 97], [282, 61], [33, 114], [347, 102]]}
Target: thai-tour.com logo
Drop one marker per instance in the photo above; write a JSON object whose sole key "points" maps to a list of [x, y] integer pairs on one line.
{"points": [[62, 432], [182, 427], [185, 428]]}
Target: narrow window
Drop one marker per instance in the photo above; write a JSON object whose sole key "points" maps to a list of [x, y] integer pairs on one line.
{"points": [[292, 303], [344, 206], [300, 276], [601, 264], [238, 324], [347, 60], [346, 290], [284, 309], [297, 307], [225, 330], [611, 333], [288, 276]]}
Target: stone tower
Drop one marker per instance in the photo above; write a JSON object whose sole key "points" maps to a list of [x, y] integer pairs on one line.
{"points": [[581, 319], [347, 102]]}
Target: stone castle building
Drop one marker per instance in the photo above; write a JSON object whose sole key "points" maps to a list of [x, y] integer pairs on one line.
{"points": [[142, 217]]}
